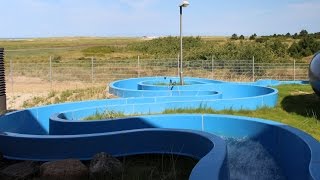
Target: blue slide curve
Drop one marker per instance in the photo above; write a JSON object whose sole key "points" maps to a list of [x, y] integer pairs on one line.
{"points": [[59, 131]]}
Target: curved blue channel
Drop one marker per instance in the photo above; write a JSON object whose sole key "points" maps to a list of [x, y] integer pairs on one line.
{"points": [[57, 131], [218, 95]]}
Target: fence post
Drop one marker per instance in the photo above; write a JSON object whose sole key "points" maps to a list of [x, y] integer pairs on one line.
{"points": [[50, 72], [212, 62], [253, 75], [294, 70], [92, 71], [138, 66], [202, 65]]}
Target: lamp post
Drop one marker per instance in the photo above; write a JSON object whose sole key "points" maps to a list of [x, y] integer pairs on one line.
{"points": [[184, 3]]}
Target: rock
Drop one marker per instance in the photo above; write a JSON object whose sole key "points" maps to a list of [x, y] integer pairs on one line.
{"points": [[22, 170], [69, 169], [104, 166]]}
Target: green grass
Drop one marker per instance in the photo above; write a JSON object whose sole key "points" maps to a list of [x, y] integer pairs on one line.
{"points": [[68, 48], [112, 114], [108, 114], [297, 106]]}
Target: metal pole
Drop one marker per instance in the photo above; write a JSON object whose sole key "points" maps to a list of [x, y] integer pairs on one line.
{"points": [[212, 61], [50, 71], [138, 66], [11, 76], [253, 78], [178, 64], [181, 56], [92, 70], [294, 70]]}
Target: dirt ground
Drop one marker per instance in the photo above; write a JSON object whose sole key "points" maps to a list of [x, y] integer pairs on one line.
{"points": [[25, 88]]}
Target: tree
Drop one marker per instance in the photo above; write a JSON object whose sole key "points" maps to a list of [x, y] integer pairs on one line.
{"points": [[310, 45], [253, 37], [288, 35], [303, 33], [234, 37], [262, 39], [305, 47], [241, 37], [295, 36], [294, 50], [279, 48]]}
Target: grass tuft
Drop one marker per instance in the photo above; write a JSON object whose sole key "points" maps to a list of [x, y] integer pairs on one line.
{"points": [[55, 97], [108, 114]]}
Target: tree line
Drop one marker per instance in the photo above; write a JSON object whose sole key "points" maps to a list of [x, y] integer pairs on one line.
{"points": [[307, 44], [300, 35]]}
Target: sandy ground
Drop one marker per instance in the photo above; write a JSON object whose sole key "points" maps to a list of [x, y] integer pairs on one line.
{"points": [[25, 88]]}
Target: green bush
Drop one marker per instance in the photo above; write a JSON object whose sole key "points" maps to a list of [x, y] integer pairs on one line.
{"points": [[166, 46], [100, 50], [305, 47]]}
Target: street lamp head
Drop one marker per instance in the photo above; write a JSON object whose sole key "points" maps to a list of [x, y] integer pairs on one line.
{"points": [[184, 3]]}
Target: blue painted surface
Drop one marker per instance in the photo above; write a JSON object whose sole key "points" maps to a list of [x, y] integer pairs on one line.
{"points": [[57, 131]]}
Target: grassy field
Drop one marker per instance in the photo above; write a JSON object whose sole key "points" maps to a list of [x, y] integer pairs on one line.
{"points": [[66, 48], [74, 48]]}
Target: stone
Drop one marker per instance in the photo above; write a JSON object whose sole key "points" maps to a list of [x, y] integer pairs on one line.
{"points": [[68, 169], [104, 166], [21, 170]]}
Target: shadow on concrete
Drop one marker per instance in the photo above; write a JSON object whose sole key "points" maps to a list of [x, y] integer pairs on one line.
{"points": [[307, 105]]}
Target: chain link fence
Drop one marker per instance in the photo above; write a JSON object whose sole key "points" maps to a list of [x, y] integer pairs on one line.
{"points": [[43, 76]]}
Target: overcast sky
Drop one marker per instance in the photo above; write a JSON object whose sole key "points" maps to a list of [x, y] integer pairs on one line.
{"points": [[56, 18]]}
